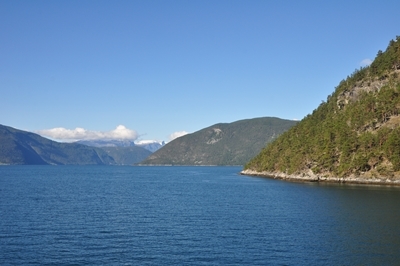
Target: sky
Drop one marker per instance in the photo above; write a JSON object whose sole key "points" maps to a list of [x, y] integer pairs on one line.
{"points": [[154, 70]]}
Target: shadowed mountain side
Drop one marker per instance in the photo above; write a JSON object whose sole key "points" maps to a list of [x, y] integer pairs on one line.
{"points": [[221, 144], [21, 147], [127, 155]]}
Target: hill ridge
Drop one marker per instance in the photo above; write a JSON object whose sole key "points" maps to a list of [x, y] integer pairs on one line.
{"points": [[221, 144]]}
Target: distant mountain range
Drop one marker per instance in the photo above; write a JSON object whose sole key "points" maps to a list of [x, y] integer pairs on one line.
{"points": [[21, 147], [149, 145], [107, 143], [221, 144], [127, 155]]}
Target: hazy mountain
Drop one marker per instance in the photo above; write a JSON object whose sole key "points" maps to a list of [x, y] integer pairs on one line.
{"points": [[127, 155], [107, 143], [353, 136], [21, 147], [221, 144], [150, 145], [124, 152]]}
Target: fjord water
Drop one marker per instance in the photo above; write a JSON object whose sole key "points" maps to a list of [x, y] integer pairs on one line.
{"points": [[101, 215]]}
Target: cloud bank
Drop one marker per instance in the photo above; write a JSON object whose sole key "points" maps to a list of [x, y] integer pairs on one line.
{"points": [[365, 62], [60, 133], [177, 135]]}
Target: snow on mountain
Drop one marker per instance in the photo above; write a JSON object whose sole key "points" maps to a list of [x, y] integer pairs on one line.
{"points": [[151, 145]]}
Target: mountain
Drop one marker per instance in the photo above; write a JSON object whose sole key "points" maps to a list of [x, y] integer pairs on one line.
{"points": [[150, 145], [124, 152], [107, 143], [127, 155], [352, 137], [21, 147], [221, 144]]}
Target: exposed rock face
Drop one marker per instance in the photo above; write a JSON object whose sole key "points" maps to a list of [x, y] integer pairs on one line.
{"points": [[353, 94], [215, 136], [311, 177]]}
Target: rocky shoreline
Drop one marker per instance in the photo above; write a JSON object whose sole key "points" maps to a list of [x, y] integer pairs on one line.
{"points": [[311, 177]]}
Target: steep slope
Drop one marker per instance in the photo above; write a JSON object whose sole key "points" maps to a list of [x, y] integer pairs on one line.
{"points": [[221, 144], [13, 151], [21, 147], [353, 136]]}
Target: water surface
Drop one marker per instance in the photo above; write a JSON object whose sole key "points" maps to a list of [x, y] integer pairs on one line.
{"points": [[91, 215]]}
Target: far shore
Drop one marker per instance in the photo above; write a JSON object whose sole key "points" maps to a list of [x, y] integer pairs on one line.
{"points": [[311, 177]]}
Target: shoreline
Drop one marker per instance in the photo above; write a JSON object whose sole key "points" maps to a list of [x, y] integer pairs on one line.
{"points": [[311, 177]]}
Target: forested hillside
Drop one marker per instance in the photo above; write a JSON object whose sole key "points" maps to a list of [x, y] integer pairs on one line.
{"points": [[354, 133]]}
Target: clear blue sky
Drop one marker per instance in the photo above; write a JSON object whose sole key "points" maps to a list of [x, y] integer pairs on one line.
{"points": [[158, 67]]}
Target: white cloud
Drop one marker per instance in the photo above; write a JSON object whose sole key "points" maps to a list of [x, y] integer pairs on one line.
{"points": [[177, 135], [60, 133], [148, 141], [365, 62]]}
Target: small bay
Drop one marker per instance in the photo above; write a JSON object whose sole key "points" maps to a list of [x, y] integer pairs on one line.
{"points": [[143, 215]]}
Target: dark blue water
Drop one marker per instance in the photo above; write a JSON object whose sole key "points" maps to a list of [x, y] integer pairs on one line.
{"points": [[95, 215]]}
